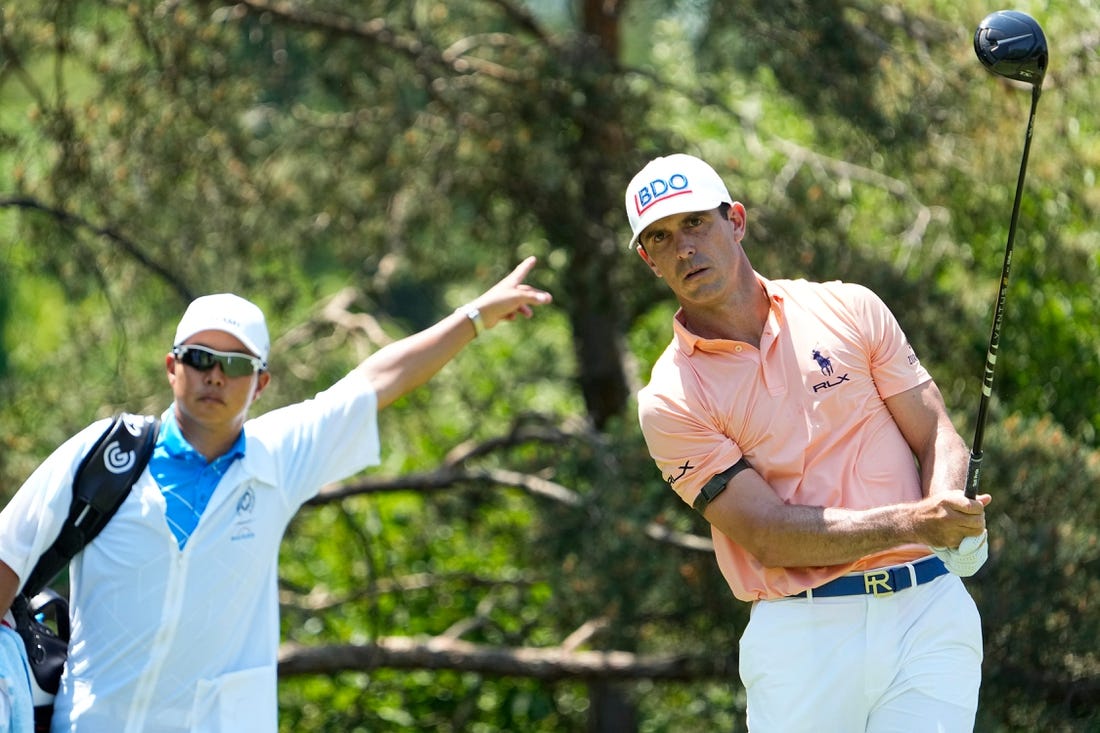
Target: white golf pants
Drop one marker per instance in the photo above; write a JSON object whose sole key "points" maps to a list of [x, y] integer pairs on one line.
{"points": [[909, 662]]}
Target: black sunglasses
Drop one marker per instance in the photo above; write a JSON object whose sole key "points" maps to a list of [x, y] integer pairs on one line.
{"points": [[233, 364]]}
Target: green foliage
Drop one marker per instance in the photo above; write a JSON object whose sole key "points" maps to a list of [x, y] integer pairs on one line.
{"points": [[1035, 593], [386, 161]]}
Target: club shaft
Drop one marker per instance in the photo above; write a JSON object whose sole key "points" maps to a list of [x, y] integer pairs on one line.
{"points": [[973, 473]]}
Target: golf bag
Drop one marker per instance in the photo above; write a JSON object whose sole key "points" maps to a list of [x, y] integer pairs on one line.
{"points": [[103, 479]]}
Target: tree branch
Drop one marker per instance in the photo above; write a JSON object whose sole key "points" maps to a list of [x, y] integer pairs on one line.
{"points": [[548, 664], [127, 245], [378, 31], [319, 598], [524, 19], [449, 477]]}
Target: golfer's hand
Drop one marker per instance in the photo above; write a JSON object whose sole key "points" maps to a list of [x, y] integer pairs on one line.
{"points": [[945, 519], [968, 557]]}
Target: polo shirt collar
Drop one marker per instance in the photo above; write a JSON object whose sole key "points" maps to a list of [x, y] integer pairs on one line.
{"points": [[177, 446], [687, 342]]}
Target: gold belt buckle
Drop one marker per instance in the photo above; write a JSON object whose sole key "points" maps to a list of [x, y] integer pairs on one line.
{"points": [[877, 583]]}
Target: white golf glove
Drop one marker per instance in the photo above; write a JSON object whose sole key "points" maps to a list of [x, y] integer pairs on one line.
{"points": [[965, 559]]}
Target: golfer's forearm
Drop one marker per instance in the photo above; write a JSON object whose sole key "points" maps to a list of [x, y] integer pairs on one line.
{"points": [[805, 536], [944, 468]]}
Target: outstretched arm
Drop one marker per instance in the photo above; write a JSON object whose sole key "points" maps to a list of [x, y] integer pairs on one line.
{"points": [[400, 367]]}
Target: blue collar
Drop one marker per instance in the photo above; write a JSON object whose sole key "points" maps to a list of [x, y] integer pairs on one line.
{"points": [[172, 442]]}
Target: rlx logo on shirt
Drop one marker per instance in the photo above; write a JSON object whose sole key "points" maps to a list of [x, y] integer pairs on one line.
{"points": [[826, 365]]}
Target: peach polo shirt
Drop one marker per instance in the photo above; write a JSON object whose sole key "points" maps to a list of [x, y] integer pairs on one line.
{"points": [[805, 409]]}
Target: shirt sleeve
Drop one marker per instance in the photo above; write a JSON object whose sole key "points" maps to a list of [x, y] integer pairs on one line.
{"points": [[32, 520], [318, 441], [893, 361], [688, 449]]}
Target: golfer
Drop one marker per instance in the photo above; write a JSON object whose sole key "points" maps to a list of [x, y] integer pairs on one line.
{"points": [[797, 419]]}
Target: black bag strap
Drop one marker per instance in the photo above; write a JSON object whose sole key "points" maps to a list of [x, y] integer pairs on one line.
{"points": [[46, 649], [102, 481]]}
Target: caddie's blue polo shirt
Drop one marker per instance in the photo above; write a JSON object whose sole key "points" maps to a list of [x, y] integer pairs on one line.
{"points": [[184, 476]]}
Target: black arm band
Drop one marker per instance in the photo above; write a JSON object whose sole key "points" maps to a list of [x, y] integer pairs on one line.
{"points": [[717, 485]]}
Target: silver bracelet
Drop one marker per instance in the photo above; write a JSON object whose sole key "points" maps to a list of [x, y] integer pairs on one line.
{"points": [[474, 315]]}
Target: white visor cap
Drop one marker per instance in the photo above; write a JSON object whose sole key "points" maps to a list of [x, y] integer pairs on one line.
{"points": [[673, 184], [229, 313]]}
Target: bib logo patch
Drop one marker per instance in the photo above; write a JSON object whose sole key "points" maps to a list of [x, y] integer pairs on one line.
{"points": [[242, 527]]}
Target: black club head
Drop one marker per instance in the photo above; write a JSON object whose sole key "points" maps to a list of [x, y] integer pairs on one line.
{"points": [[1011, 44]]}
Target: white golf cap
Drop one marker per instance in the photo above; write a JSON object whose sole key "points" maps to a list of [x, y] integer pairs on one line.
{"points": [[229, 313], [674, 184]]}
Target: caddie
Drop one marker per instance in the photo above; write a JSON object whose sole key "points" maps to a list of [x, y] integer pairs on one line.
{"points": [[175, 613]]}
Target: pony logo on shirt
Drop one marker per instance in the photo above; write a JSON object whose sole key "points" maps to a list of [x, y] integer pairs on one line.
{"points": [[825, 364]]}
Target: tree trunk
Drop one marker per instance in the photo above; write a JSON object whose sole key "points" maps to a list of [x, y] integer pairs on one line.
{"points": [[611, 710]]}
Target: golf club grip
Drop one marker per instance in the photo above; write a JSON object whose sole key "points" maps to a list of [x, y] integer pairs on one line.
{"points": [[973, 475]]}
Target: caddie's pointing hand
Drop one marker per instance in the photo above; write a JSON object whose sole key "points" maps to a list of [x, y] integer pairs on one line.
{"points": [[510, 296]]}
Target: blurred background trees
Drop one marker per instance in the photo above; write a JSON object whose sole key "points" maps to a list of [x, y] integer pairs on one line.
{"points": [[360, 169]]}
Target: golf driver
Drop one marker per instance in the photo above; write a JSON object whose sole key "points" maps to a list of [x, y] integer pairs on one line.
{"points": [[1010, 44]]}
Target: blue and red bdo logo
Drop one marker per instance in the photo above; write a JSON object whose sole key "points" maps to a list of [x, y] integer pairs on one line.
{"points": [[659, 189]]}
